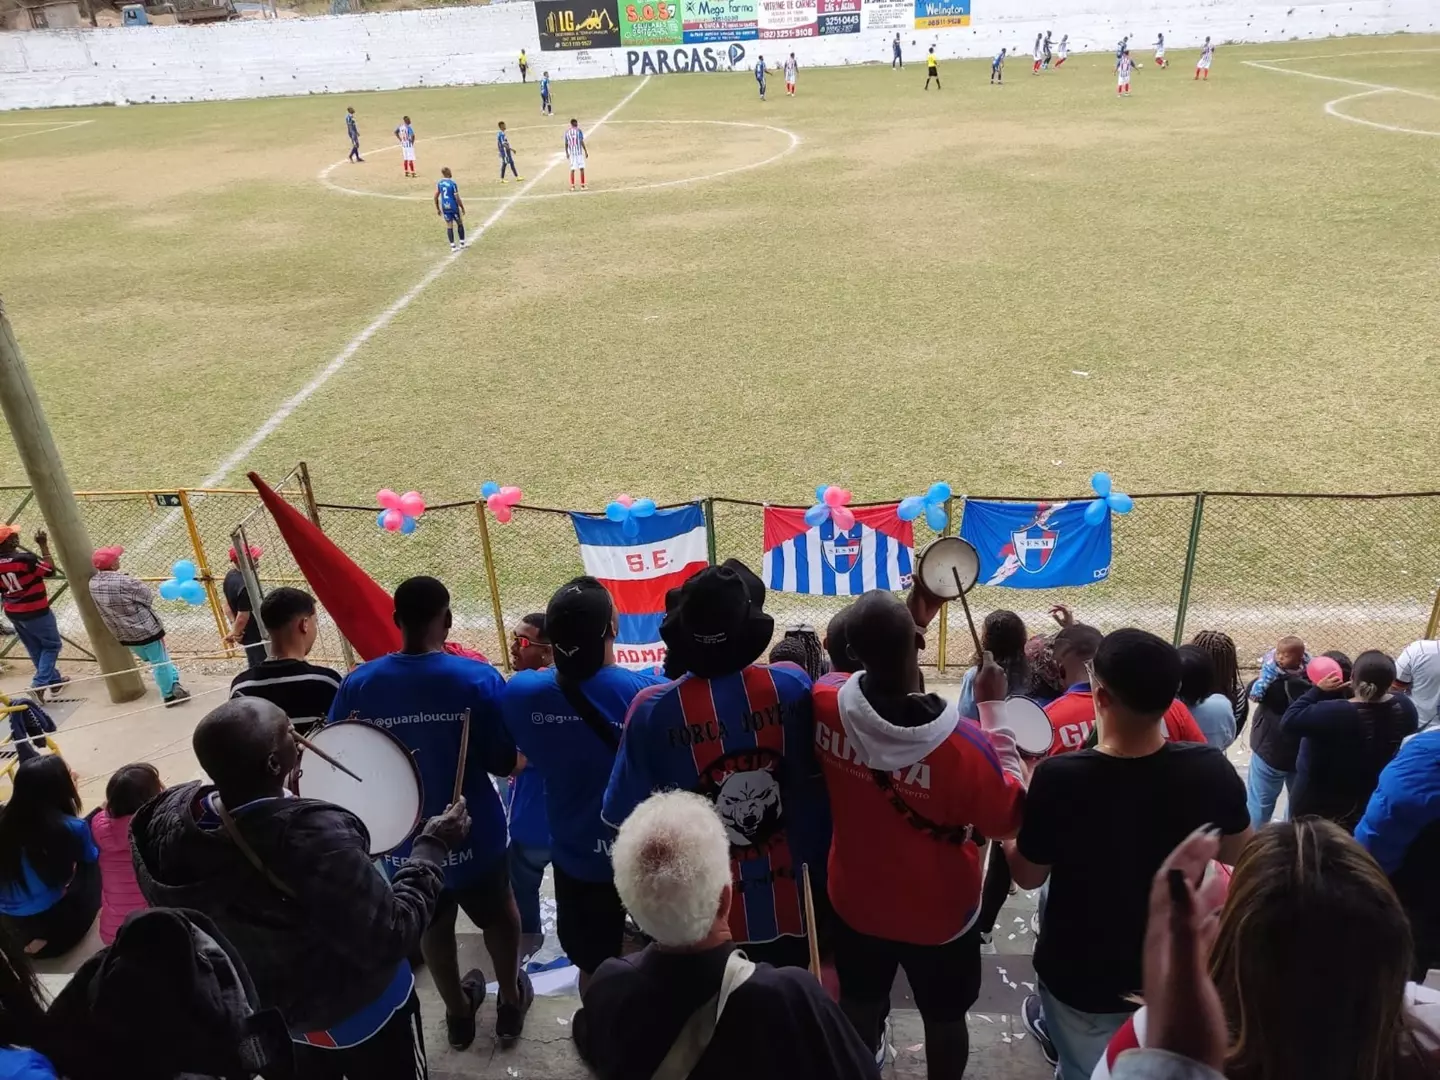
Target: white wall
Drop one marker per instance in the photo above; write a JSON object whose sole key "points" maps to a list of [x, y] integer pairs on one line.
{"points": [[255, 58]]}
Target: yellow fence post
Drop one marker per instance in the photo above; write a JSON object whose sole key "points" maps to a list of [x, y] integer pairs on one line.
{"points": [[203, 565], [489, 555]]}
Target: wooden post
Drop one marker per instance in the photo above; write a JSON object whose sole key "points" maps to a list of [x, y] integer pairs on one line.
{"points": [[38, 453]]}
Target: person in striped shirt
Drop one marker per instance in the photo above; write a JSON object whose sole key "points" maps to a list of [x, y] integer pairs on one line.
{"points": [[23, 596], [1206, 56], [405, 136], [1122, 74], [576, 151]]}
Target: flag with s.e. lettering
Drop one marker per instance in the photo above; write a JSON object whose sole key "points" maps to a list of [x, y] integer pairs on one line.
{"points": [[639, 570], [876, 552]]}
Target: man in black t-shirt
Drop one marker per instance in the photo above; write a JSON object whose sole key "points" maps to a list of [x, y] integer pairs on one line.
{"points": [[304, 690], [1098, 825], [246, 629]]}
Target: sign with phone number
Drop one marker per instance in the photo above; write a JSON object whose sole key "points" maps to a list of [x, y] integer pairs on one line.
{"points": [[651, 24]]}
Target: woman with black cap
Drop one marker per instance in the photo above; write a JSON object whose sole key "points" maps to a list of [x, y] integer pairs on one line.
{"points": [[566, 720]]}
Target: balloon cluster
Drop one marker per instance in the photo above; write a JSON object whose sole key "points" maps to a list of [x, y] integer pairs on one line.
{"points": [[833, 504], [931, 504], [628, 511], [1109, 499], [401, 512], [500, 500], [183, 585]]}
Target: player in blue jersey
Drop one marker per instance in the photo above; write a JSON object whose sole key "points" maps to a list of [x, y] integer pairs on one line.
{"points": [[547, 106], [760, 76], [451, 207], [576, 151], [997, 69], [507, 156], [353, 130], [896, 61]]}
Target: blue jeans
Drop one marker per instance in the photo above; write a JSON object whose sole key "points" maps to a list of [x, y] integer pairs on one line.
{"points": [[166, 677], [1262, 789], [1080, 1038], [527, 870], [41, 638]]}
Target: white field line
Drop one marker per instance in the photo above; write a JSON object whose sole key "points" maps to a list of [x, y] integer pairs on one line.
{"points": [[790, 148], [1367, 89], [45, 126]]}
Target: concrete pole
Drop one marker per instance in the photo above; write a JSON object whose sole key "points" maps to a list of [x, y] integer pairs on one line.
{"points": [[56, 500]]}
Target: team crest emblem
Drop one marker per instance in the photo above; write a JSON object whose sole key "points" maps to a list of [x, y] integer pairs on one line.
{"points": [[1034, 544], [842, 550]]}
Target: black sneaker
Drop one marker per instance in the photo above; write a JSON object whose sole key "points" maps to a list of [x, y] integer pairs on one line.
{"points": [[510, 1019], [178, 694], [460, 1030], [1033, 1018]]}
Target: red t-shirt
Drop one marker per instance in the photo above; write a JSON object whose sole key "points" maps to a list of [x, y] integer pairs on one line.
{"points": [[22, 584], [889, 879], [1072, 715]]}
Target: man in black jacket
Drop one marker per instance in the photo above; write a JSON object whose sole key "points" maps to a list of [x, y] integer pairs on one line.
{"points": [[291, 883], [1273, 753]]}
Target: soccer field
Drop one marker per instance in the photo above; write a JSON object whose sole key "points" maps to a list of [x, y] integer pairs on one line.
{"points": [[1222, 285]]}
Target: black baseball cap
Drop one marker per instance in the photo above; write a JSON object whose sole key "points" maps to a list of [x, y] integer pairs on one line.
{"points": [[578, 622]]}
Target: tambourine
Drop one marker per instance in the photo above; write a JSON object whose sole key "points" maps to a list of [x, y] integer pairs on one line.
{"points": [[949, 568], [1031, 727]]}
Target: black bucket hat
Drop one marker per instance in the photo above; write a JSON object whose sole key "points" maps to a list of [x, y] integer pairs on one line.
{"points": [[714, 623]]}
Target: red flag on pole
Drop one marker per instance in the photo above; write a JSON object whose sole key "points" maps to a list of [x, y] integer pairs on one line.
{"points": [[362, 610]]}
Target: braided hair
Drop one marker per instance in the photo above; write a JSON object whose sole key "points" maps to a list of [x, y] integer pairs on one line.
{"points": [[1221, 648]]}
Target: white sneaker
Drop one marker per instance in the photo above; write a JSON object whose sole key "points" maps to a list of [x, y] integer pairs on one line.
{"points": [[453, 247], [462, 243]]}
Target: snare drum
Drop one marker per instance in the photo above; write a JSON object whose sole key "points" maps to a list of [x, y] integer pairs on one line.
{"points": [[942, 561], [387, 802], [1033, 731]]}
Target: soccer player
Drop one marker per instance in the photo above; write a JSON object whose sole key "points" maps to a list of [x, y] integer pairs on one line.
{"points": [[997, 69], [547, 107], [451, 207], [1122, 48], [1160, 61], [791, 67], [507, 156], [524, 65], [353, 130], [1205, 57], [895, 59], [1122, 73], [1039, 54], [405, 136], [1064, 50], [576, 151], [1046, 65], [932, 69], [760, 76]]}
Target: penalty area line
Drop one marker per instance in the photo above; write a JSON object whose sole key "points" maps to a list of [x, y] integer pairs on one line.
{"points": [[237, 457]]}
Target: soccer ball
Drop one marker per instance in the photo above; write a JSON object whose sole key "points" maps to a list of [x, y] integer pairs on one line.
{"points": [[1139, 64]]}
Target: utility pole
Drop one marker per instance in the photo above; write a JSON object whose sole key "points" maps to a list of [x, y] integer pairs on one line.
{"points": [[56, 500]]}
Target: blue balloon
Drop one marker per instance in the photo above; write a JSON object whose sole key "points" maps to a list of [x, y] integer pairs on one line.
{"points": [[1095, 512], [820, 493], [939, 492], [192, 592], [935, 516], [170, 590], [380, 518], [617, 511], [407, 525], [1120, 502], [184, 570], [642, 507], [911, 508], [1100, 482], [490, 487], [817, 514], [630, 528]]}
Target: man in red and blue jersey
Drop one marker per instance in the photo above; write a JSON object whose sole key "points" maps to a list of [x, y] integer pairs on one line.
{"points": [[741, 734], [22, 592]]}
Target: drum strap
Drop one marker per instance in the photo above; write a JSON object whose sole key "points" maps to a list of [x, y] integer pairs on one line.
{"points": [[591, 715], [249, 852], [946, 834]]}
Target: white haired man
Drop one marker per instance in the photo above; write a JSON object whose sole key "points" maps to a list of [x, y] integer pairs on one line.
{"points": [[691, 1000]]}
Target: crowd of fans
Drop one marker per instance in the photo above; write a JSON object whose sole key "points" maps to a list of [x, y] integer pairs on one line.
{"points": [[692, 817]]}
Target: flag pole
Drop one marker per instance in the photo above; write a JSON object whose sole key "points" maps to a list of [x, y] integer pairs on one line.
{"points": [[494, 586]]}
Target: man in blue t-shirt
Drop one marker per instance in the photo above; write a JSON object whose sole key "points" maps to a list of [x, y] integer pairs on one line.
{"points": [[566, 720], [742, 735], [422, 695]]}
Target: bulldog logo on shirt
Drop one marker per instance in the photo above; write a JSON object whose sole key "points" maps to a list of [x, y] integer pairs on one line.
{"points": [[746, 794]]}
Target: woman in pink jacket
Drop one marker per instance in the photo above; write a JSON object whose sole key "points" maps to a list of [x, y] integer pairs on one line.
{"points": [[130, 788]]}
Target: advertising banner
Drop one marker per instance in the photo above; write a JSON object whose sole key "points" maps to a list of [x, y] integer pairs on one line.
{"points": [[838, 16], [583, 24], [656, 23], [719, 20], [888, 14], [787, 19], [941, 14]]}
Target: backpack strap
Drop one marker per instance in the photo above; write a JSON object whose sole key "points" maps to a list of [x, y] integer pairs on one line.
{"points": [[587, 712], [694, 1038], [233, 830]]}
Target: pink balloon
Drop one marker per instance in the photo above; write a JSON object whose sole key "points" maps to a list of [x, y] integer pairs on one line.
{"points": [[504, 514], [412, 503], [388, 499], [511, 494], [624, 500], [495, 502], [835, 496], [842, 517], [393, 520], [845, 495]]}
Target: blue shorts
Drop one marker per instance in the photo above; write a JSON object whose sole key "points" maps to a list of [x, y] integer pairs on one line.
{"points": [[452, 214]]}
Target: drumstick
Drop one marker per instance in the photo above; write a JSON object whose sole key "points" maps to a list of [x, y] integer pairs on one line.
{"points": [[464, 753], [968, 617], [323, 756], [812, 939]]}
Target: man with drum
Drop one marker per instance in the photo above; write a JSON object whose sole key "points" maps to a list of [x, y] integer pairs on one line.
{"points": [[290, 881], [446, 710]]}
